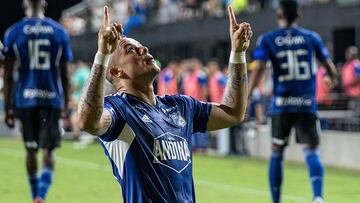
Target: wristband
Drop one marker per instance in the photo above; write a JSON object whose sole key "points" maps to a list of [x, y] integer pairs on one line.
{"points": [[102, 59], [237, 57]]}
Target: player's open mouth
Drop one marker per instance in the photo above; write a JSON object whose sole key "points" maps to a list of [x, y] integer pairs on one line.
{"points": [[149, 61]]}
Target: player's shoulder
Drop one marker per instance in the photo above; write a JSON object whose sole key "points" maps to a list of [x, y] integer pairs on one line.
{"points": [[308, 33], [267, 35], [15, 27], [262, 37]]}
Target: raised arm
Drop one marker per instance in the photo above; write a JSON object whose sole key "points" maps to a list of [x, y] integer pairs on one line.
{"points": [[93, 118], [233, 106]]}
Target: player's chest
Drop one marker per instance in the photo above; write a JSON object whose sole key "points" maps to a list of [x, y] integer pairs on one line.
{"points": [[160, 120]]}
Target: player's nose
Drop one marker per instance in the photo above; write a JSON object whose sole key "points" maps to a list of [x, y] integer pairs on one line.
{"points": [[144, 50]]}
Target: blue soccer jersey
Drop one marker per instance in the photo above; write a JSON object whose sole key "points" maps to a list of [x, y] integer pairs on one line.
{"points": [[149, 147], [39, 45], [293, 53]]}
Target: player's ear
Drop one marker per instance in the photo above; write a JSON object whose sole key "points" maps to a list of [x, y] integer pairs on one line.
{"points": [[116, 72]]}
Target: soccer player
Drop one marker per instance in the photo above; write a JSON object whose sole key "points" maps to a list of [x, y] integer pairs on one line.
{"points": [[147, 138], [292, 51], [41, 47]]}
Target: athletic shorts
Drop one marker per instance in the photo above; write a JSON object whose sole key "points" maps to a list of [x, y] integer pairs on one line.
{"points": [[40, 127], [307, 128]]}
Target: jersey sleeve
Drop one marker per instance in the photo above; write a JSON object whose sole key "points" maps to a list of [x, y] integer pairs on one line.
{"points": [[9, 40], [321, 51], [200, 112], [67, 54], [117, 124], [261, 52]]}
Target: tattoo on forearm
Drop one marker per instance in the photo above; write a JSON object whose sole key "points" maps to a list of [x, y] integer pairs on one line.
{"points": [[236, 78], [236, 86], [92, 98]]}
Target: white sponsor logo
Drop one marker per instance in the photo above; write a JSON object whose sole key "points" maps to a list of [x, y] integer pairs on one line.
{"points": [[171, 151], [37, 29], [292, 101], [289, 40], [38, 93]]}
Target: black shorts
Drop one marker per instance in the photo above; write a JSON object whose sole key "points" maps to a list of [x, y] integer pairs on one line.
{"points": [[307, 128], [40, 127]]}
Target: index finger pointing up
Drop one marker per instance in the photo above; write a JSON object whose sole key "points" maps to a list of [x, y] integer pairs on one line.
{"points": [[232, 18], [106, 20]]}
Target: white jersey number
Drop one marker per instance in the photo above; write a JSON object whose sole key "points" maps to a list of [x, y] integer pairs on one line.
{"points": [[296, 69], [36, 54]]}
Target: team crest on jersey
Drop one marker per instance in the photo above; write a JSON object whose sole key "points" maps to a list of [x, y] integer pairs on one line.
{"points": [[175, 115], [171, 151]]}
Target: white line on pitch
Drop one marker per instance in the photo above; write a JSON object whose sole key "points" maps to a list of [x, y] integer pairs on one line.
{"points": [[217, 185]]}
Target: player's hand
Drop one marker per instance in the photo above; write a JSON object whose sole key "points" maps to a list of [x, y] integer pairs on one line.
{"points": [[330, 82], [9, 118], [240, 34], [109, 34]]}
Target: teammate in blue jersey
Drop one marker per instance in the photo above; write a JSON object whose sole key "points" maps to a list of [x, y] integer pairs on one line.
{"points": [[293, 51], [147, 138], [41, 47]]}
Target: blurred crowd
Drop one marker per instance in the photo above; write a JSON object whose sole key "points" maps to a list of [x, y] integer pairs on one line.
{"points": [[87, 15], [206, 81]]}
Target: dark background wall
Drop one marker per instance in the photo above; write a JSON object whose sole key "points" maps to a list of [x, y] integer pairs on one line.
{"points": [[209, 37]]}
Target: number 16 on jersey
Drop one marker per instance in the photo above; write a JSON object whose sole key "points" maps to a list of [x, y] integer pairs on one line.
{"points": [[39, 59]]}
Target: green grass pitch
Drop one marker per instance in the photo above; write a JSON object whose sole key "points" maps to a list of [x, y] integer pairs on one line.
{"points": [[84, 176]]}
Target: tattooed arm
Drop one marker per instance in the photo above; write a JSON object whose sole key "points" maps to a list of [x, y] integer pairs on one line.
{"points": [[233, 106], [93, 118]]}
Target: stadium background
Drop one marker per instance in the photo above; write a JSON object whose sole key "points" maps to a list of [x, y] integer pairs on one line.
{"points": [[204, 35]]}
